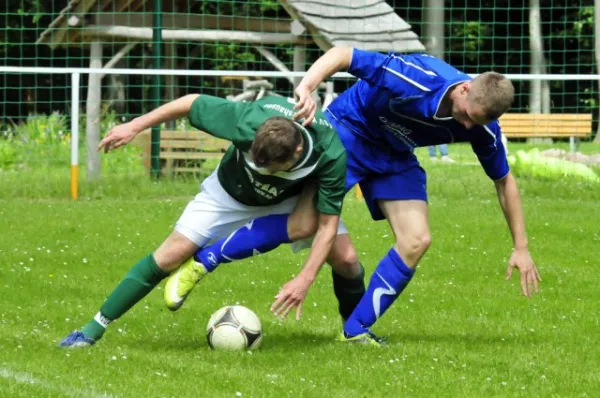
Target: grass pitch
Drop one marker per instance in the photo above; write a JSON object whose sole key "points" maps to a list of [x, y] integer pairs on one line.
{"points": [[459, 329]]}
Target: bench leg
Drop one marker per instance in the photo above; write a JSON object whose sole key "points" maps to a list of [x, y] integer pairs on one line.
{"points": [[571, 144], [169, 163]]}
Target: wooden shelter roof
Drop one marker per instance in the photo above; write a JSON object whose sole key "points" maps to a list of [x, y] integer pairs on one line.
{"points": [[367, 24]]}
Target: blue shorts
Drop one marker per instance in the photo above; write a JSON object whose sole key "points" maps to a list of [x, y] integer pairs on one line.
{"points": [[382, 173]]}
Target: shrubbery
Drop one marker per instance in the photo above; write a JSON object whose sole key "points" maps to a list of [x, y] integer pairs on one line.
{"points": [[44, 141]]}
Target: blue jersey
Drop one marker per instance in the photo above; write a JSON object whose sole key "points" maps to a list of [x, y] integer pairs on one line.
{"points": [[395, 104]]}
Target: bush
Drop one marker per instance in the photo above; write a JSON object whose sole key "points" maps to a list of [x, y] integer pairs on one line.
{"points": [[35, 163], [42, 129], [44, 141], [8, 155]]}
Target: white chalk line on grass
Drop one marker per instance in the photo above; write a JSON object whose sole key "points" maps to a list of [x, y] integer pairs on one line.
{"points": [[56, 387]]}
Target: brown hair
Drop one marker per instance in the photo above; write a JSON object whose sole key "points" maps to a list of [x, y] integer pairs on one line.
{"points": [[494, 92], [276, 141]]}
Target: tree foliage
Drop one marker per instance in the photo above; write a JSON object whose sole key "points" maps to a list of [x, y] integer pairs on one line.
{"points": [[479, 36]]}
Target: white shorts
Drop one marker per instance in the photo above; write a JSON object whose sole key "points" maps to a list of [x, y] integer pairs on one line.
{"points": [[214, 215]]}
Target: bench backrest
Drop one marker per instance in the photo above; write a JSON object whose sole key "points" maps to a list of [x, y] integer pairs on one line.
{"points": [[193, 140], [546, 125]]}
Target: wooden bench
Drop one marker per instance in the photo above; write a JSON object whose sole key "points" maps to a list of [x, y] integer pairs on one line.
{"points": [[541, 125], [182, 151]]}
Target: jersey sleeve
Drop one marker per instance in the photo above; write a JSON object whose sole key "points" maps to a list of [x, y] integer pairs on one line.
{"points": [[332, 186], [222, 119], [404, 75], [491, 152]]}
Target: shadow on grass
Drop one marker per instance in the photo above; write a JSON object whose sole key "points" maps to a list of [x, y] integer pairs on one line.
{"points": [[278, 341]]}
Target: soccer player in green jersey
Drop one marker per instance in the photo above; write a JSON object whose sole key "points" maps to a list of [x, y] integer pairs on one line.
{"points": [[263, 173]]}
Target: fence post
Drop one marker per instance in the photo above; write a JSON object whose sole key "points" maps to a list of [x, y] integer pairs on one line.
{"points": [[75, 78], [156, 85]]}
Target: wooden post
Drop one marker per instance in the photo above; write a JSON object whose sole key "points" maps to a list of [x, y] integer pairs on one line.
{"points": [[300, 66], [221, 36], [118, 56], [274, 61], [94, 101], [539, 96], [434, 28], [329, 95], [299, 62]]}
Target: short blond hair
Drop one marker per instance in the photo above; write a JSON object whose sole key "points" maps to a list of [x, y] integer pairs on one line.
{"points": [[494, 92]]}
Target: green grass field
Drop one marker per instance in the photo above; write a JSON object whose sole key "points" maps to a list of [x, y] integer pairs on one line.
{"points": [[459, 329]]}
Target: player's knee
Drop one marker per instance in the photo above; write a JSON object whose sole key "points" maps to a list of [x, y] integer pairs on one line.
{"points": [[426, 240], [166, 261], [349, 259], [421, 242], [417, 244], [174, 251], [346, 264]]}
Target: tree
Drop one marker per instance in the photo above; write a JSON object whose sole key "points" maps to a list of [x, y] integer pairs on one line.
{"points": [[539, 96]]}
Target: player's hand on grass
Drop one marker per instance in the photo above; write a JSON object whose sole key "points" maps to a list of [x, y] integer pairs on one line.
{"points": [[305, 105], [529, 273], [117, 136], [291, 295]]}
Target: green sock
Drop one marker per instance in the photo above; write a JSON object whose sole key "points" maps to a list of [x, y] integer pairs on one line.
{"points": [[138, 282], [348, 292]]}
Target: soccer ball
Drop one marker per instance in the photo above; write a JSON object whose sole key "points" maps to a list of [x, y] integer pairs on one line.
{"points": [[234, 327]]}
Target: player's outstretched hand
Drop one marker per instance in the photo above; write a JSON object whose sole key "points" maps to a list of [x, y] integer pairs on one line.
{"points": [[291, 295], [529, 273], [305, 105], [117, 136]]}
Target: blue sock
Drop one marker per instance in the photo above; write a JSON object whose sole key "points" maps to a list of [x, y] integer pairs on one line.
{"points": [[258, 236], [389, 280]]}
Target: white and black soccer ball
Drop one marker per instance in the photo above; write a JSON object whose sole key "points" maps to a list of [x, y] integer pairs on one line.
{"points": [[234, 327]]}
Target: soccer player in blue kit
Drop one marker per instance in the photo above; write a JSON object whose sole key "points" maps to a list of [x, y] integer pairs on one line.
{"points": [[402, 102]]}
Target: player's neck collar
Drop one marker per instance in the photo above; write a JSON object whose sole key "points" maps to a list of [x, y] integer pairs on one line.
{"points": [[307, 147], [443, 97]]}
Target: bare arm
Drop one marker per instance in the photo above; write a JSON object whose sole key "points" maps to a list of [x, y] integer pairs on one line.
{"points": [[510, 201], [292, 294], [124, 133], [335, 60], [173, 110], [322, 243]]}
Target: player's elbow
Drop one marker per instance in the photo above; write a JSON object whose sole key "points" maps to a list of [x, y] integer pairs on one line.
{"points": [[183, 105], [190, 98], [342, 56]]}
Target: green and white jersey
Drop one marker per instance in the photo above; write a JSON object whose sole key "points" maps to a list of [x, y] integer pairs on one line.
{"points": [[323, 159]]}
